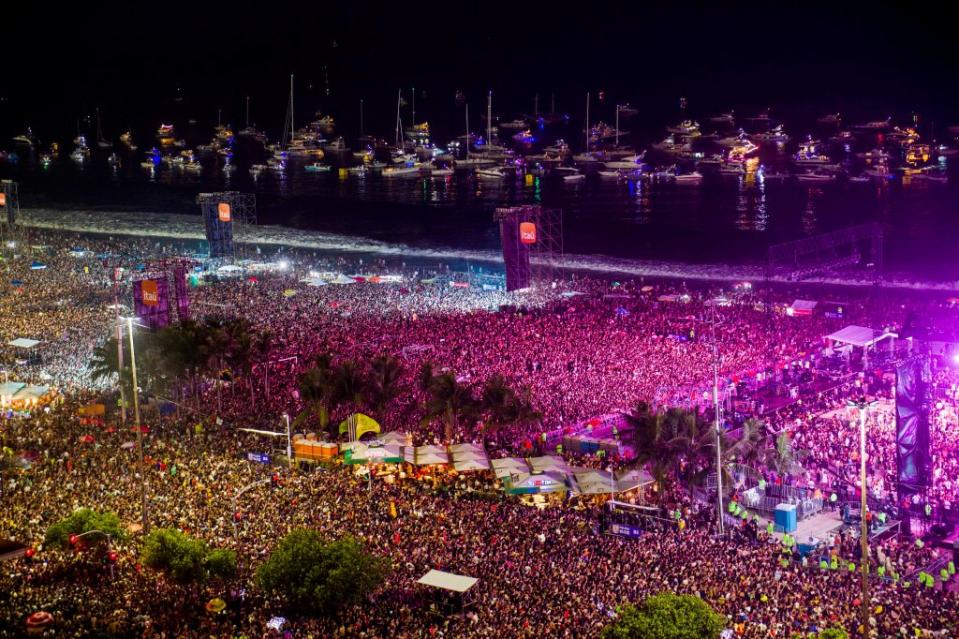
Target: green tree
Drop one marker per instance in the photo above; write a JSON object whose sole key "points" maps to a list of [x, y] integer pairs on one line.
{"points": [[312, 575], [184, 558], [350, 386], [81, 522], [317, 390], [450, 402], [385, 382], [782, 457], [666, 616], [500, 405]]}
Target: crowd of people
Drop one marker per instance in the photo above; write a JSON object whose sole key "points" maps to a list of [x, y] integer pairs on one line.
{"points": [[586, 348]]}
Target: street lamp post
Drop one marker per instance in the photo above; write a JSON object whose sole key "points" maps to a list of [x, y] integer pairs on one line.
{"points": [[862, 406], [718, 428], [289, 445], [136, 415]]}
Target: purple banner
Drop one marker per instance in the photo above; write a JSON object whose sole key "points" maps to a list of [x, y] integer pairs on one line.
{"points": [[912, 428], [151, 302], [181, 292]]}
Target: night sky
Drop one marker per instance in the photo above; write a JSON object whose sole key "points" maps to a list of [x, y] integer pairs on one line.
{"points": [[801, 59]]}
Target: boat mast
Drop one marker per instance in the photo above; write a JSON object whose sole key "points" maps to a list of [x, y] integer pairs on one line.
{"points": [[587, 121], [399, 99], [292, 128], [489, 119]]}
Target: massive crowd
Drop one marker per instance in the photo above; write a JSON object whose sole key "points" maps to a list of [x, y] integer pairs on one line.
{"points": [[543, 573]]}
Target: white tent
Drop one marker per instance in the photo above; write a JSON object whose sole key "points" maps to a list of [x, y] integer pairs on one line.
{"points": [[509, 466], [595, 482], [395, 437], [342, 279], [548, 462], [447, 581], [634, 479], [457, 449], [800, 308], [465, 465], [428, 455], [858, 336], [23, 342]]}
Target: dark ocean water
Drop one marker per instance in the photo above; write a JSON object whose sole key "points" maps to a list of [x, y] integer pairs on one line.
{"points": [[723, 220]]}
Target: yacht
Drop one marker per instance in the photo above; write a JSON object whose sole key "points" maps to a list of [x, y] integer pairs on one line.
{"points": [[830, 118], [775, 176], [689, 178], [815, 177], [628, 110], [440, 172], [192, 167], [732, 170], [775, 135], [524, 137], [401, 171], [165, 132], [726, 119], [875, 126], [518, 123], [810, 155], [316, 167], [629, 162], [569, 174], [686, 128], [24, 139], [492, 173], [609, 175], [559, 148]]}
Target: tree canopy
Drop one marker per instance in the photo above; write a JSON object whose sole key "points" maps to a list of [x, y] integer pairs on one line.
{"points": [[185, 559], [318, 576], [81, 522], [666, 616]]}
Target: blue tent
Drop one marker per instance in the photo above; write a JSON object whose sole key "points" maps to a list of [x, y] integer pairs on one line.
{"points": [[37, 266], [16, 282]]}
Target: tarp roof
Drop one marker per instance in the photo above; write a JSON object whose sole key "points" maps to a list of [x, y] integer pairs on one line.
{"points": [[31, 392], [804, 305], [23, 342], [858, 336], [447, 581], [395, 437], [426, 457], [548, 462], [456, 449], [509, 466], [464, 465], [538, 483], [9, 389]]}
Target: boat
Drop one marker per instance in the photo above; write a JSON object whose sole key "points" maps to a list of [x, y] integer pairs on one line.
{"points": [[79, 155], [629, 162], [609, 175], [859, 179], [524, 137], [518, 123], [732, 170], [685, 129], [401, 171], [24, 139], [569, 174], [627, 110], [830, 118], [775, 176], [492, 173], [193, 167], [316, 167], [113, 159], [165, 132], [256, 169], [875, 126], [102, 142], [775, 135], [934, 176], [815, 177], [726, 119], [809, 154], [559, 148], [440, 172], [689, 178]]}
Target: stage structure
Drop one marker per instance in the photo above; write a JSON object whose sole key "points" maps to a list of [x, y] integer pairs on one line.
{"points": [[912, 426], [532, 243], [152, 300], [9, 202], [224, 215], [853, 247]]}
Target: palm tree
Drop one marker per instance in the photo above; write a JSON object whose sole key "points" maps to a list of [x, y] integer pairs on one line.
{"points": [[317, 389], [350, 385], [104, 363], [450, 402], [384, 384], [500, 405], [782, 457]]}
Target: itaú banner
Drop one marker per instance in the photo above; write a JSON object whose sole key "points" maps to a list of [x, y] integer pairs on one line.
{"points": [[527, 233], [151, 296]]}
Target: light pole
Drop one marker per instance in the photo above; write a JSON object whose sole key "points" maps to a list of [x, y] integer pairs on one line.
{"points": [[863, 407], [718, 428], [136, 415], [289, 445]]}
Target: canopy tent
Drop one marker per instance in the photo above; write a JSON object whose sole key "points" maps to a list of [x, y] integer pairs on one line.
{"points": [[458, 449], [594, 482], [23, 342], [859, 336], [548, 482], [447, 581], [9, 389], [634, 479], [430, 455], [358, 424], [508, 466], [548, 462], [396, 437], [342, 279], [389, 454], [470, 464]]}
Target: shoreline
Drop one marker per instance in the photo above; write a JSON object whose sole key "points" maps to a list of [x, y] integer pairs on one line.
{"points": [[190, 227]]}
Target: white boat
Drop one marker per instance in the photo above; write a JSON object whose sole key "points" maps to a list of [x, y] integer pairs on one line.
{"points": [[686, 128], [524, 137], [689, 178], [193, 167], [629, 162], [147, 164], [815, 177], [610, 175], [80, 155], [165, 132], [336, 146], [518, 123], [830, 118], [859, 179], [775, 176], [775, 135], [401, 171], [316, 167], [569, 174], [732, 170], [492, 173], [474, 162], [723, 118], [936, 177], [876, 125], [24, 139]]}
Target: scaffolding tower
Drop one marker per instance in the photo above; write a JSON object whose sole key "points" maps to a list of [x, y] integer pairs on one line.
{"points": [[544, 249]]}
